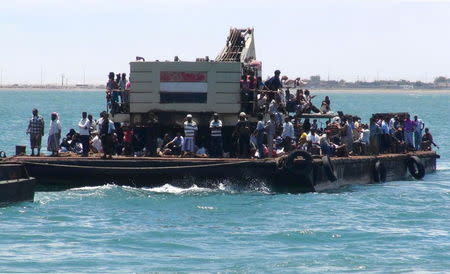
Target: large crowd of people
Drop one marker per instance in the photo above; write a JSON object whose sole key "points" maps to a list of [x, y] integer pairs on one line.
{"points": [[280, 129]]}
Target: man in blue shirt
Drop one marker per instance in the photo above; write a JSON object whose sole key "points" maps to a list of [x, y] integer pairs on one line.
{"points": [[274, 83]]}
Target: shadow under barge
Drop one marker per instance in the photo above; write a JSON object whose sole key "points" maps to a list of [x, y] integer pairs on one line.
{"points": [[295, 173]]}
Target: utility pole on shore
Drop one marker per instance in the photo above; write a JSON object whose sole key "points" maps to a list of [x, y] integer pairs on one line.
{"points": [[1, 77], [41, 76], [62, 80]]}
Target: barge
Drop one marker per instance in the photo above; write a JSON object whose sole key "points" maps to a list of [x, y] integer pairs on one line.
{"points": [[167, 91], [295, 173]]}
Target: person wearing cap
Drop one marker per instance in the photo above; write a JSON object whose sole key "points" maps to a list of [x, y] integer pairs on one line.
{"points": [[190, 129], [36, 131], [242, 133], [215, 126], [274, 83]]}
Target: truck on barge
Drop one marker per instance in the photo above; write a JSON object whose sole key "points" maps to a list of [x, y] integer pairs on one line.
{"points": [[170, 90]]}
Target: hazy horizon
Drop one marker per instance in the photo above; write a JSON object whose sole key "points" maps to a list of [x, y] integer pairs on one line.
{"points": [[350, 40]]}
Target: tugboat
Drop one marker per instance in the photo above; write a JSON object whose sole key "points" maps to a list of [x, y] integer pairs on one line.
{"points": [[170, 90]]}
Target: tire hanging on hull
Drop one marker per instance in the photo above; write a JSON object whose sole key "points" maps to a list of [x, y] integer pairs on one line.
{"points": [[416, 167], [379, 172], [302, 174]]}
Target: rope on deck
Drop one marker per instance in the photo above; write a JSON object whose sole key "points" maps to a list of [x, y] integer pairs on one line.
{"points": [[136, 168]]}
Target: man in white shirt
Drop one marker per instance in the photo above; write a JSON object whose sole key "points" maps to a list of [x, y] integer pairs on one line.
{"points": [[215, 126], [393, 124], [190, 129], [313, 140], [84, 126], [96, 143], [362, 143], [420, 125], [288, 133], [100, 121], [386, 137]]}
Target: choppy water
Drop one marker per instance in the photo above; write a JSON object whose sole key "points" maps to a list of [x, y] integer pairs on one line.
{"points": [[396, 226]]}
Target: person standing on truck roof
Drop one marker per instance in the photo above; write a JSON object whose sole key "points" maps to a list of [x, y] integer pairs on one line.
{"points": [[112, 93], [84, 126], [215, 126], [123, 93], [274, 83], [36, 131], [190, 129]]}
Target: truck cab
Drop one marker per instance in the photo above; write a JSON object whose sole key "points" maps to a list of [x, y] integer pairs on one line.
{"points": [[169, 90]]}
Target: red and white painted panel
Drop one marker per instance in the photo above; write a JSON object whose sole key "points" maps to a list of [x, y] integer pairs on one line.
{"points": [[183, 82]]}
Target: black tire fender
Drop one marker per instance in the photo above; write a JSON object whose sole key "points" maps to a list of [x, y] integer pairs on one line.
{"points": [[294, 154], [329, 168], [281, 163], [416, 167], [379, 172]]}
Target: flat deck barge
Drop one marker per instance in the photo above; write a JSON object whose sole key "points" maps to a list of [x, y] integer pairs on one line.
{"points": [[297, 172]]}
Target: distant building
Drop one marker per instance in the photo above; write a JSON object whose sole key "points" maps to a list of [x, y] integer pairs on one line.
{"points": [[442, 82], [315, 79]]}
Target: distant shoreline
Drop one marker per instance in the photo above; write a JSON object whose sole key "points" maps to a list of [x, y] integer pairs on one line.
{"points": [[50, 89], [331, 90], [382, 91]]}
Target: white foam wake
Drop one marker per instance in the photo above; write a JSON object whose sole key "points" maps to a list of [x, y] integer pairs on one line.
{"points": [[443, 166], [87, 188], [167, 188]]}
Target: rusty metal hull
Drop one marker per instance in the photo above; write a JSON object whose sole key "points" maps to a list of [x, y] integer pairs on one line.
{"points": [[15, 184], [66, 172]]}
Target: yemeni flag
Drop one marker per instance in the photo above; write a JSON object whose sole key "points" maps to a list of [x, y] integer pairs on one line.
{"points": [[183, 87]]}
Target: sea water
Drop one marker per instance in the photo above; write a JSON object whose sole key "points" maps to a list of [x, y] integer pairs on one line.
{"points": [[399, 226]]}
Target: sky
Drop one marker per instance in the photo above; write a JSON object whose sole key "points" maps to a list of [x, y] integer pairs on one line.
{"points": [[337, 39]]}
